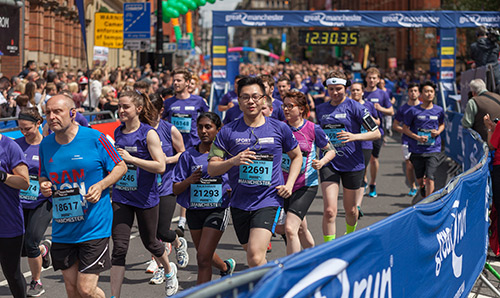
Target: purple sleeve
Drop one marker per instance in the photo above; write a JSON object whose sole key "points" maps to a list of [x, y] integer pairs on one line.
{"points": [[441, 116], [289, 141], [16, 155], [203, 106], [166, 107], [225, 99], [182, 169], [321, 139], [399, 115], [408, 119], [387, 101], [80, 119]]}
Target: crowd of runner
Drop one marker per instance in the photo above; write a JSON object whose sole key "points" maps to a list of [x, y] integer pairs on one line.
{"points": [[287, 130]]}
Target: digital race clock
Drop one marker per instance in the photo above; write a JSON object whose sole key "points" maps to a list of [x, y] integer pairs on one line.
{"points": [[328, 38]]}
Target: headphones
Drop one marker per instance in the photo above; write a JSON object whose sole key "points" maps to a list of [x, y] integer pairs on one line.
{"points": [[344, 82]]}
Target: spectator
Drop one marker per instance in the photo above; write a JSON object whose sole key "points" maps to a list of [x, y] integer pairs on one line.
{"points": [[30, 66]]}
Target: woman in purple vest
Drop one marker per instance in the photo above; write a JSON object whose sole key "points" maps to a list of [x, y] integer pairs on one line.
{"points": [[136, 194], [13, 177], [37, 208]]}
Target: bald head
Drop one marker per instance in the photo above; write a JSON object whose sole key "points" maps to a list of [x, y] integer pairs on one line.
{"points": [[63, 99]]}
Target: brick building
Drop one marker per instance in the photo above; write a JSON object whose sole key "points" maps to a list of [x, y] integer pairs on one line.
{"points": [[50, 29]]}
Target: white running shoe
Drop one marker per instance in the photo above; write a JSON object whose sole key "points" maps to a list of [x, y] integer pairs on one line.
{"points": [[181, 253], [158, 277], [171, 284], [152, 266]]}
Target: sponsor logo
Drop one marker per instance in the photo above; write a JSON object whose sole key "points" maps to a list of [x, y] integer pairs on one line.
{"points": [[177, 108], [242, 141], [189, 108], [253, 20], [479, 20], [421, 117], [449, 237], [341, 116], [266, 140], [35, 157], [380, 286], [131, 149], [447, 74], [76, 157], [433, 117], [332, 20], [410, 21]]}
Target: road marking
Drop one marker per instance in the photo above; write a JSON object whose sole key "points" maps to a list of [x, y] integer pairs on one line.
{"points": [[27, 274]]}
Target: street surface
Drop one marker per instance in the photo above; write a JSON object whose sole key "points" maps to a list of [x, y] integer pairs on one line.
{"points": [[392, 198]]}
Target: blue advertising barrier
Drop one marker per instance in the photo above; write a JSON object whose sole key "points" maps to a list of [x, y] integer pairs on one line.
{"points": [[436, 248]]}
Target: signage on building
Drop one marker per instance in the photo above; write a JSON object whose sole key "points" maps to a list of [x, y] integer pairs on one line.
{"points": [[108, 30], [136, 26], [100, 55], [9, 30]]}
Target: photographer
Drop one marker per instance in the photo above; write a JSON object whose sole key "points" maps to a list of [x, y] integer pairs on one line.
{"points": [[485, 50]]}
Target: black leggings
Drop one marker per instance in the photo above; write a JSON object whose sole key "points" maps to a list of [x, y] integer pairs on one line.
{"points": [[166, 212], [10, 259], [36, 222], [147, 221]]}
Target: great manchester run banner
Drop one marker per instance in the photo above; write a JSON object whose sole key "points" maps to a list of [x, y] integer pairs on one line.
{"points": [[460, 145], [435, 249], [408, 19]]}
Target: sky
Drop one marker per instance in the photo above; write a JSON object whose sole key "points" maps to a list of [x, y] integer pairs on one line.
{"points": [[206, 10]]}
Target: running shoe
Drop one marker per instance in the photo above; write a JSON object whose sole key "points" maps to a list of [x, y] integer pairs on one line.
{"points": [[152, 267], [365, 185], [360, 213], [180, 231], [171, 282], [158, 277], [270, 247], [373, 191], [35, 290], [46, 258], [412, 192], [231, 263], [181, 253], [168, 248]]}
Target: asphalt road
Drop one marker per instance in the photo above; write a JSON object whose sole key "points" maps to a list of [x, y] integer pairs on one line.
{"points": [[392, 190]]}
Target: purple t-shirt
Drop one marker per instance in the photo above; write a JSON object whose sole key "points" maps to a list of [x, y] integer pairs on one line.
{"points": [[254, 186], [381, 97], [211, 192], [231, 96], [347, 116], [373, 112], [303, 88], [421, 121], [310, 136], [164, 130], [400, 116], [32, 197], [278, 110], [233, 114], [182, 113], [11, 213], [138, 187]]}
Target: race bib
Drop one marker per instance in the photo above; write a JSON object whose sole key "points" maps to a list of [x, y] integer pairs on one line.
{"points": [[31, 194], [286, 162], [331, 131], [259, 172], [68, 205], [182, 122], [430, 140], [207, 193], [129, 181]]}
